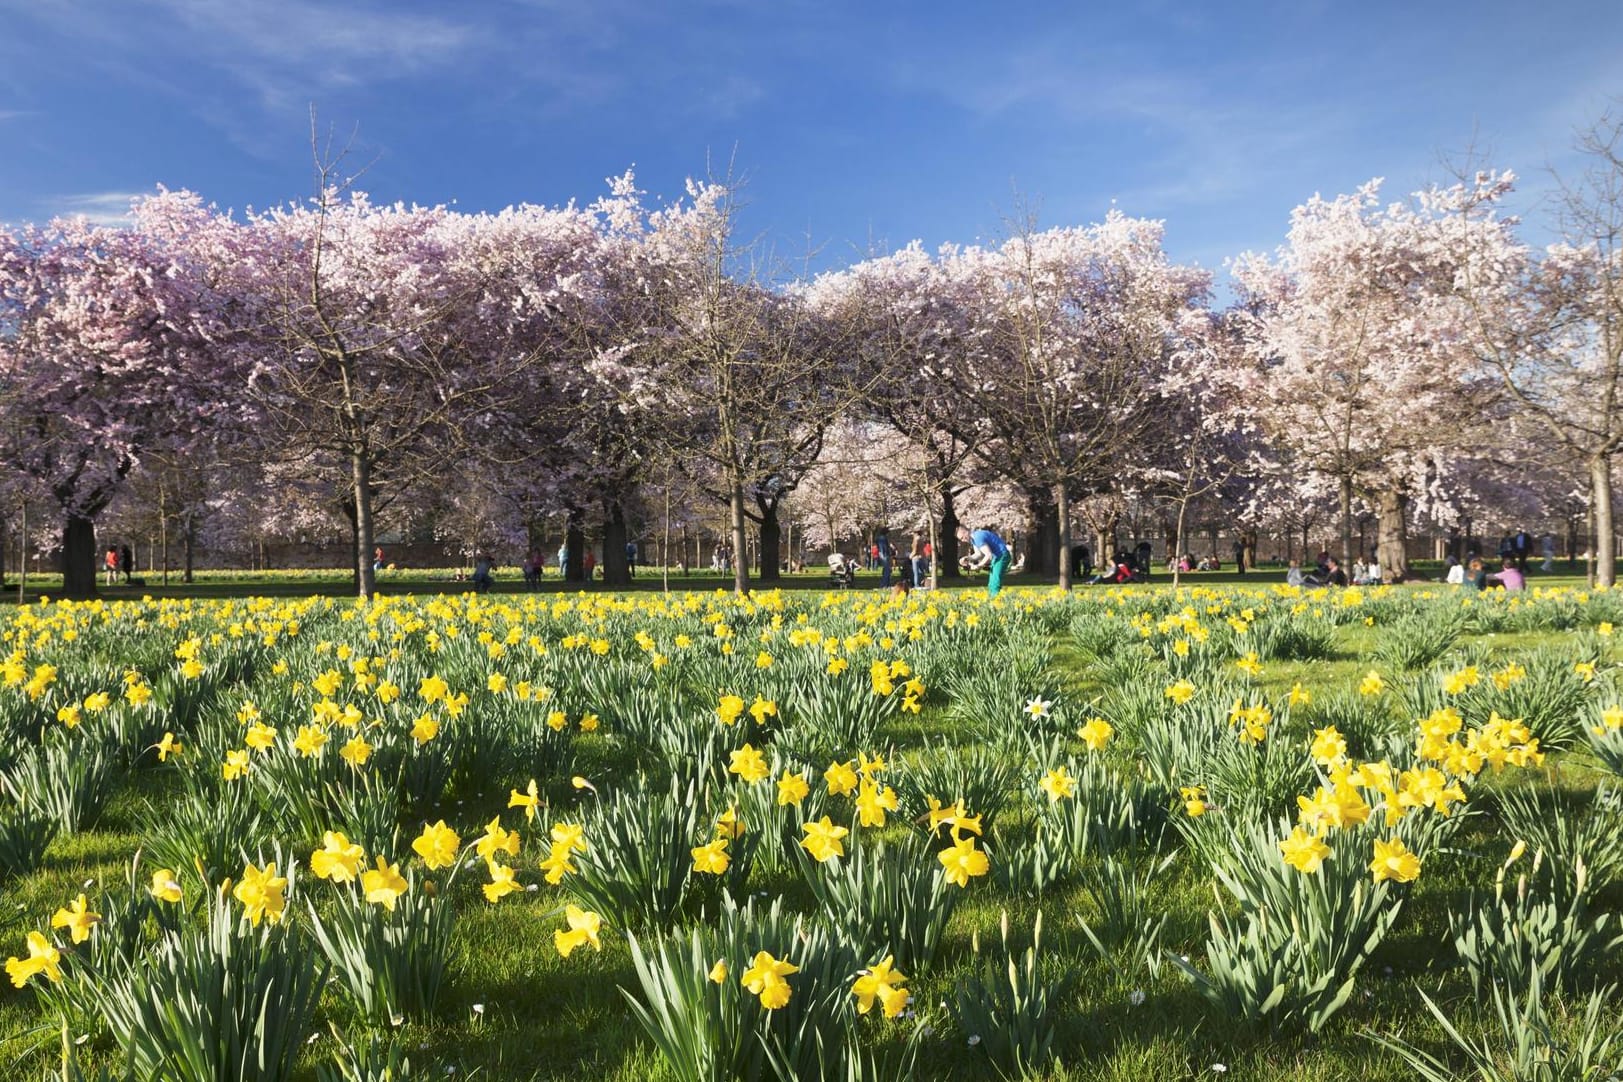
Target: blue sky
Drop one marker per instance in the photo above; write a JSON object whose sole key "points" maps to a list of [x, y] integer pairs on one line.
{"points": [[857, 125]]}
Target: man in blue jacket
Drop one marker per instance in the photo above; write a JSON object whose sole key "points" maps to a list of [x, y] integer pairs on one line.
{"points": [[989, 552]]}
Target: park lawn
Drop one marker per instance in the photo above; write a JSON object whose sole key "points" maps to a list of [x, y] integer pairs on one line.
{"points": [[512, 1008]]}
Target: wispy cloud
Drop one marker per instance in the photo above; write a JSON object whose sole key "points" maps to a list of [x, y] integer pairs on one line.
{"points": [[285, 51], [13, 114], [321, 39], [101, 208]]}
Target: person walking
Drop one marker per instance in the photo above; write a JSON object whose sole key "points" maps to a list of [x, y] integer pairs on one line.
{"points": [[989, 551], [111, 563]]}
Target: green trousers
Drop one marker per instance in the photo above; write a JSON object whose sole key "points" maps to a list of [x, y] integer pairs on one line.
{"points": [[994, 580]]}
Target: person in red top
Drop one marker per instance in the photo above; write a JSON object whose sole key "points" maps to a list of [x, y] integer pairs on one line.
{"points": [[111, 563]]}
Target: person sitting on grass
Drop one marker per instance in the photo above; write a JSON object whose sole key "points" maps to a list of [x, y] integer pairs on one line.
{"points": [[1510, 576], [1119, 571], [1476, 578]]}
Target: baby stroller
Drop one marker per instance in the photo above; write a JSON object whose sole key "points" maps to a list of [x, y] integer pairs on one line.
{"points": [[841, 571]]}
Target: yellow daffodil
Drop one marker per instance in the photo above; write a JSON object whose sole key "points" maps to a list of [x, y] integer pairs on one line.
{"points": [[309, 741], [501, 882], [1303, 851], [167, 746], [77, 919], [1328, 745], [432, 689], [749, 764], [557, 865], [1194, 800], [384, 885], [529, 800], [883, 983], [765, 979], [338, 859], [1058, 785], [711, 858], [438, 845], [1096, 733], [963, 862], [356, 752], [823, 839], [236, 764], [873, 801], [164, 886], [842, 777], [1394, 861], [260, 893], [496, 840], [584, 927], [43, 957]]}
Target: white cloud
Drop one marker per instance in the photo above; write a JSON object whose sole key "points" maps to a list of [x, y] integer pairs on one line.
{"points": [[100, 208], [284, 50]]}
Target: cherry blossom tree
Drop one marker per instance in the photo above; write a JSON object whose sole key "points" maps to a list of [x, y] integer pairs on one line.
{"points": [[1089, 323], [110, 344], [917, 332], [1358, 364], [389, 334], [1549, 327], [734, 370]]}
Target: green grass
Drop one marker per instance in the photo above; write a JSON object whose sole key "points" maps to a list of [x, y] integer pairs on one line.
{"points": [[513, 1009], [339, 582]]}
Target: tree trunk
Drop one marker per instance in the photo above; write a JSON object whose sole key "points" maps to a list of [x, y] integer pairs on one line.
{"points": [[1176, 558], [1392, 536], [189, 542], [1062, 511], [740, 540], [78, 556], [1600, 498], [163, 533], [946, 550], [1042, 549], [771, 539], [616, 569], [574, 549], [1346, 524], [360, 471]]}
